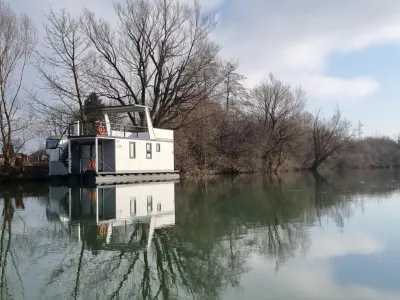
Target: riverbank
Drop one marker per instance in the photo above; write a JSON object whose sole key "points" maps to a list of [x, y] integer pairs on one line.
{"points": [[328, 167], [31, 173], [39, 172]]}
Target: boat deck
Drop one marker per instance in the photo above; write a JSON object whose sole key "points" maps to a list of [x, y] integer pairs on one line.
{"points": [[118, 178], [115, 178]]}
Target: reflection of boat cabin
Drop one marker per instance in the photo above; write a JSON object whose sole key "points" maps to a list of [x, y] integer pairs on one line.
{"points": [[106, 148], [115, 210]]}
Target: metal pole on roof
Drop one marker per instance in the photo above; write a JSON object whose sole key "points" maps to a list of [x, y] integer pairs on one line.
{"points": [[96, 147]]}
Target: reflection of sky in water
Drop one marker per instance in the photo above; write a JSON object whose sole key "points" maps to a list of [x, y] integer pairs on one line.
{"points": [[35, 267], [359, 261], [379, 271]]}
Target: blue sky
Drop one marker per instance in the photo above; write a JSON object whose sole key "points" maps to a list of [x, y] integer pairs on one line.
{"points": [[343, 52]]}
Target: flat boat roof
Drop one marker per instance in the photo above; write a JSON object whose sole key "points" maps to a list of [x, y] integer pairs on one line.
{"points": [[122, 109]]}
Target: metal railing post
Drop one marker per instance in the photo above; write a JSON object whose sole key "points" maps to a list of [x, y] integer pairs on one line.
{"points": [[96, 149], [69, 157]]}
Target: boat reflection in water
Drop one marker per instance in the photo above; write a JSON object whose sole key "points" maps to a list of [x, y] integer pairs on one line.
{"points": [[113, 216]]}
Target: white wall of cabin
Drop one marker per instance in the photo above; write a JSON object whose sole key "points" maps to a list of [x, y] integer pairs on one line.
{"points": [[164, 134], [160, 161]]}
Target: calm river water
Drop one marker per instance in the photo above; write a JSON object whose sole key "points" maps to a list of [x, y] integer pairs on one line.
{"points": [[302, 236]]}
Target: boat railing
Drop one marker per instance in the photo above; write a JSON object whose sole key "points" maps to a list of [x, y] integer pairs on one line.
{"points": [[103, 128]]}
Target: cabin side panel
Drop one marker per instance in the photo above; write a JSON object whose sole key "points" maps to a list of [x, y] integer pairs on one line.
{"points": [[164, 134], [138, 155]]}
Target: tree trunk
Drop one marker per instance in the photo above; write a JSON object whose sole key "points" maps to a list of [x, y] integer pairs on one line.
{"points": [[314, 165], [8, 153]]}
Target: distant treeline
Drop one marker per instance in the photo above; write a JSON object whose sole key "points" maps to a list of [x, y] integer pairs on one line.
{"points": [[370, 152], [236, 141]]}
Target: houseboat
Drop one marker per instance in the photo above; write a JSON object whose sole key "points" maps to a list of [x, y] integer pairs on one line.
{"points": [[112, 213], [104, 152]]}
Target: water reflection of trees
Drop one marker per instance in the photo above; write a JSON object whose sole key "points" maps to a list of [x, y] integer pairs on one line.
{"points": [[251, 216], [170, 269], [18, 242], [8, 257], [220, 224], [271, 216]]}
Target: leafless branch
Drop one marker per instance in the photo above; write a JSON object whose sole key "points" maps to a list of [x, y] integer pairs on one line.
{"points": [[17, 43]]}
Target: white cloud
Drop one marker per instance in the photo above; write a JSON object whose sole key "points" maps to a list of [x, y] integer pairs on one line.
{"points": [[295, 40], [335, 88], [207, 4], [292, 39]]}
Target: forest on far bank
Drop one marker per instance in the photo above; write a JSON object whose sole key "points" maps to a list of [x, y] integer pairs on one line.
{"points": [[160, 54], [237, 142]]}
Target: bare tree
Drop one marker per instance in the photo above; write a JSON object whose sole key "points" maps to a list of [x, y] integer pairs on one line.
{"points": [[52, 120], [17, 42], [233, 92], [278, 107], [328, 137], [62, 65], [159, 56]]}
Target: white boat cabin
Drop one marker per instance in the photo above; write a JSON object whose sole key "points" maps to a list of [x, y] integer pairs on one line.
{"points": [[103, 148]]}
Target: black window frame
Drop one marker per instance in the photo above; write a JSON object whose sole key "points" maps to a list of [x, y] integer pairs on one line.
{"points": [[51, 144], [133, 199], [149, 204], [158, 147], [134, 150], [149, 153]]}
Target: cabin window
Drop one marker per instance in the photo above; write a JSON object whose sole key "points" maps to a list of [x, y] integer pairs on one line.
{"points": [[158, 147], [159, 207], [133, 206], [51, 144], [132, 150], [148, 151], [149, 204]]}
